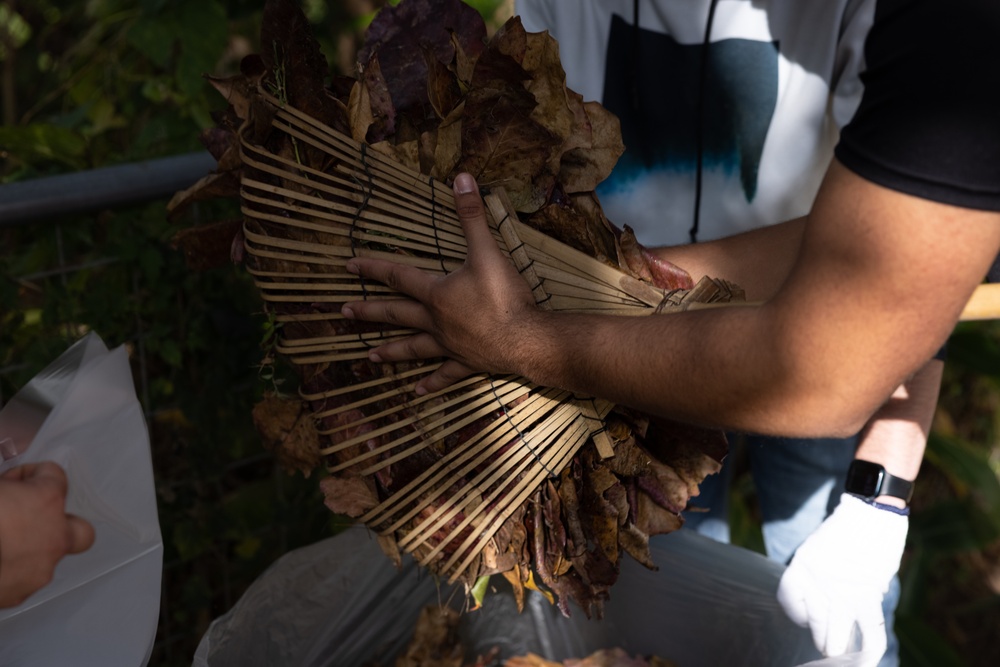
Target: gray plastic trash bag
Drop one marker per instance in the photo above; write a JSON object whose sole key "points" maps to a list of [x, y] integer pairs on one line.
{"points": [[341, 603], [101, 607]]}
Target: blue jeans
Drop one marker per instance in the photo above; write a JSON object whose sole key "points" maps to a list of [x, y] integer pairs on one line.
{"points": [[798, 483]]}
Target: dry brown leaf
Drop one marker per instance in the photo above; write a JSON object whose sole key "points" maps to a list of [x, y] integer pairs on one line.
{"points": [[443, 90], [209, 246], [407, 153], [601, 516], [238, 91], [383, 112], [614, 657], [413, 42], [584, 167], [630, 459], [513, 576], [288, 430], [501, 143], [665, 486], [691, 451], [390, 547], [636, 544], [435, 641], [213, 186], [654, 519], [495, 560], [359, 111], [297, 69], [531, 660], [464, 63], [350, 495], [650, 268], [448, 144], [547, 84]]}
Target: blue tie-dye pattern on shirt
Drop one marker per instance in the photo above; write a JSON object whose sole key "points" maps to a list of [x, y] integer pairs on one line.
{"points": [[653, 85]]}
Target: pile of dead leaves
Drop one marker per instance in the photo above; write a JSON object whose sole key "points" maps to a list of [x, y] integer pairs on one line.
{"points": [[435, 94], [436, 643], [615, 657]]}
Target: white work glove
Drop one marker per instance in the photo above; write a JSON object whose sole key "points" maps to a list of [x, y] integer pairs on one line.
{"points": [[840, 574]]}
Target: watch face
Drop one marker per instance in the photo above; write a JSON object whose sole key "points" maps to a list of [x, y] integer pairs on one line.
{"points": [[864, 478]]}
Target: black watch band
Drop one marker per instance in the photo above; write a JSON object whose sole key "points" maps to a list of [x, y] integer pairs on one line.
{"points": [[869, 480]]}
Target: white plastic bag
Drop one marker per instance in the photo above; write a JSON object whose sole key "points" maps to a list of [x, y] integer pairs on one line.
{"points": [[102, 606], [341, 603]]}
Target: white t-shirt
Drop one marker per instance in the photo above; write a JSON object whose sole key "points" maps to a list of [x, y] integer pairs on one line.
{"points": [[775, 98]]}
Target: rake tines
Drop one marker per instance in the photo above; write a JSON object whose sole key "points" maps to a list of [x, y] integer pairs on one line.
{"points": [[493, 440]]}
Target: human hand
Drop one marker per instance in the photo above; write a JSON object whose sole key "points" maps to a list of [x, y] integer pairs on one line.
{"points": [[471, 315], [840, 574], [35, 531]]}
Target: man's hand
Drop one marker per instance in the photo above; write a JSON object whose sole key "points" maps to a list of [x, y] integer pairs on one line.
{"points": [[840, 574], [35, 531], [471, 315]]}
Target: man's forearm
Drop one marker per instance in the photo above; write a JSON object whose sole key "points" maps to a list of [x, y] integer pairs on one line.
{"points": [[758, 261], [897, 434], [737, 367]]}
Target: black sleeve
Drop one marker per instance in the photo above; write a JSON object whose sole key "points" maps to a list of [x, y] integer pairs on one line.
{"points": [[929, 119]]}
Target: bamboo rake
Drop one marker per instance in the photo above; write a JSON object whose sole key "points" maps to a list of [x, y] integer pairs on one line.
{"points": [[303, 225]]}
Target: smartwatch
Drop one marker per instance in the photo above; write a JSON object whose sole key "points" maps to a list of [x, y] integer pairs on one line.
{"points": [[869, 480]]}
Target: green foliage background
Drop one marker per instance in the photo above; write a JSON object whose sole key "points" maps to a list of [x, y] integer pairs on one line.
{"points": [[102, 82], [92, 83]]}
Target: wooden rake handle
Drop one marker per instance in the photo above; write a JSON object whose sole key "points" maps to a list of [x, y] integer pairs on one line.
{"points": [[984, 304]]}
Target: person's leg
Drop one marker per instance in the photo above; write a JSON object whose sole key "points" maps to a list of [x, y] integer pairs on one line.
{"points": [[889, 603], [798, 482], [709, 515]]}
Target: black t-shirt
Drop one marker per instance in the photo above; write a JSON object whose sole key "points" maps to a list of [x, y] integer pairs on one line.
{"points": [[929, 120]]}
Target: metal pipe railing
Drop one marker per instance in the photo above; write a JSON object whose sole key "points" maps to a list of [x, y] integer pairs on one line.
{"points": [[103, 188]]}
